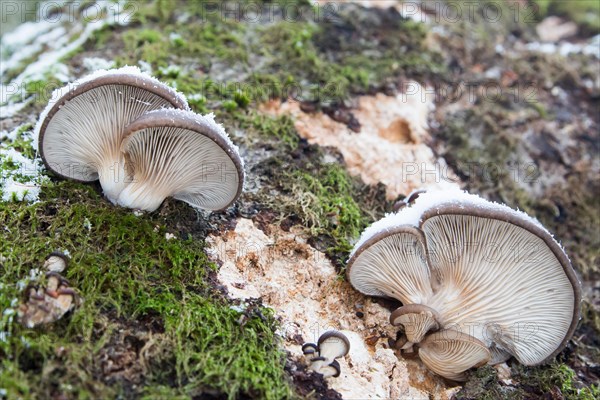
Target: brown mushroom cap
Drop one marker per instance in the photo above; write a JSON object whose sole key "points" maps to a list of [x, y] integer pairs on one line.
{"points": [[450, 353], [417, 320], [489, 271], [180, 154], [81, 129]]}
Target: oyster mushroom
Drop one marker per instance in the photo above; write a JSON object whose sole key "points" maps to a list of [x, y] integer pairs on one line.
{"points": [[450, 353], [417, 320], [332, 369], [81, 129], [180, 154], [330, 346], [484, 269], [308, 349]]}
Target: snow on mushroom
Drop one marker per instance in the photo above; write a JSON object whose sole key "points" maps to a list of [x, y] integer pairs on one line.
{"points": [[180, 154], [459, 263], [81, 128]]}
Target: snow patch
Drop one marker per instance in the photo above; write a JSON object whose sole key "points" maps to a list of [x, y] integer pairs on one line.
{"points": [[20, 177], [96, 63], [564, 48], [50, 41]]}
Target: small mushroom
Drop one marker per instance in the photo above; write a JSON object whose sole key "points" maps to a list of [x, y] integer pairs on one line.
{"points": [[331, 345], [309, 349], [176, 153], [81, 129], [475, 267], [417, 320], [56, 262], [45, 305], [332, 369], [408, 200], [450, 353]]}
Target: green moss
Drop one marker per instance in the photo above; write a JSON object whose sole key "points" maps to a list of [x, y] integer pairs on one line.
{"points": [[323, 198], [309, 59], [21, 143], [281, 129], [41, 89], [483, 384], [553, 377], [585, 13], [145, 44], [557, 379], [126, 270]]}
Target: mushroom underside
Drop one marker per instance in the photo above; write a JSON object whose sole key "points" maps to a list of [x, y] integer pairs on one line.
{"points": [[82, 140], [490, 274], [417, 320], [450, 353], [180, 155]]}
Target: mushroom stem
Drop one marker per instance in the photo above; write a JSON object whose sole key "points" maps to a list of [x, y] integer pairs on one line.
{"points": [[114, 177], [142, 196], [317, 363], [417, 319]]}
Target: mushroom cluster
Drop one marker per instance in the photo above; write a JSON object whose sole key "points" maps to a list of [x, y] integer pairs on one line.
{"points": [[322, 356], [479, 282], [138, 137], [46, 304]]}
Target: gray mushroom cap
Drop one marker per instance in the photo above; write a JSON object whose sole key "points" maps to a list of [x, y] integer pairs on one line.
{"points": [[450, 353], [332, 370], [180, 154], [489, 271], [332, 345], [80, 131], [417, 320], [309, 348]]}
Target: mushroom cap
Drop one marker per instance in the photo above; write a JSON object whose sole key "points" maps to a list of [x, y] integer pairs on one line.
{"points": [[489, 271], [417, 319], [56, 262], [333, 344], [309, 348], [332, 370], [392, 263], [80, 130], [325, 368], [400, 341], [408, 200], [450, 353], [183, 155]]}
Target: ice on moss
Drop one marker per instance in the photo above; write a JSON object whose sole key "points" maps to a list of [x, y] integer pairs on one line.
{"points": [[20, 177], [95, 63], [47, 42], [170, 70], [145, 66]]}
